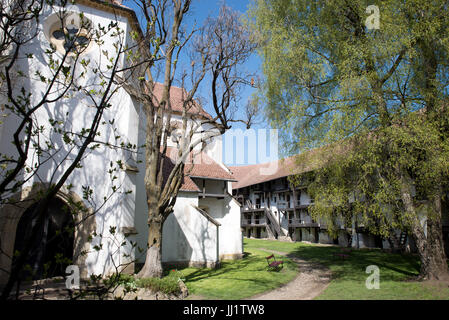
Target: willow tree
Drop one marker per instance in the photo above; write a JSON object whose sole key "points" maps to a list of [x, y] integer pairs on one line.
{"points": [[370, 84]]}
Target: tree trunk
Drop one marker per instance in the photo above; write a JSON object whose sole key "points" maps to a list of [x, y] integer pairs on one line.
{"points": [[430, 247], [153, 261], [431, 254], [437, 265]]}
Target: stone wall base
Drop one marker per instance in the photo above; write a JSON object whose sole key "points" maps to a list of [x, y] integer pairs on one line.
{"points": [[231, 256], [188, 264]]}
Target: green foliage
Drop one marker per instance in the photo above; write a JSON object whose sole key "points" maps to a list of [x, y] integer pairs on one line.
{"points": [[168, 284], [374, 100], [127, 280], [349, 275], [320, 66], [239, 279]]}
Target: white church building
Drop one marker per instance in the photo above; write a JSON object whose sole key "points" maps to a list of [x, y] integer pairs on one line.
{"points": [[205, 226]]}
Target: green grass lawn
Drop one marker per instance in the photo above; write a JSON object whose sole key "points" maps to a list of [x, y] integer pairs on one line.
{"points": [[238, 279], [349, 275]]}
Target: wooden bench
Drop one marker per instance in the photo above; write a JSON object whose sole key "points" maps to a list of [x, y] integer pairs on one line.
{"points": [[273, 264]]}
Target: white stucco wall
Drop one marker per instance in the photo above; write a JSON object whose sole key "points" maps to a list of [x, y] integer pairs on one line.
{"points": [[309, 234], [305, 198], [227, 213], [304, 216], [284, 222], [211, 186], [77, 113], [253, 232], [343, 238], [325, 238], [362, 240], [187, 235]]}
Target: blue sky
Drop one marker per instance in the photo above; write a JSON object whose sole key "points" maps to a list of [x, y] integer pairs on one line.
{"points": [[199, 11]]}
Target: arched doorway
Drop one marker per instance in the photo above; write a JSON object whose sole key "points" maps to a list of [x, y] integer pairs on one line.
{"points": [[11, 214], [52, 247]]}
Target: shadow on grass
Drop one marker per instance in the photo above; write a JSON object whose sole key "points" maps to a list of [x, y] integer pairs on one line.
{"points": [[347, 263], [237, 279], [392, 265], [225, 267]]}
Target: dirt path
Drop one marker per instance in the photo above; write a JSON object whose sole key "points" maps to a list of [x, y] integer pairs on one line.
{"points": [[313, 278]]}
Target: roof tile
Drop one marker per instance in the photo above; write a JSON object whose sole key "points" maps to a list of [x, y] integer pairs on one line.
{"points": [[202, 166], [177, 96]]}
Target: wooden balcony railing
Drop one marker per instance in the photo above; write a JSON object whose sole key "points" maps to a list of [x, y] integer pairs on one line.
{"points": [[250, 206], [295, 222], [253, 222]]}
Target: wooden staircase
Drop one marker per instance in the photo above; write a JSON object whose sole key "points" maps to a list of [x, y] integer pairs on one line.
{"points": [[273, 226]]}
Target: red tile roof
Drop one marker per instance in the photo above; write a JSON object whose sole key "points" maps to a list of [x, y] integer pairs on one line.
{"points": [[202, 166], [205, 167], [187, 183], [177, 96], [301, 163], [258, 173]]}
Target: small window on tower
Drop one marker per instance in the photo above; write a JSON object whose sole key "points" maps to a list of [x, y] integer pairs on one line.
{"points": [[70, 33]]}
